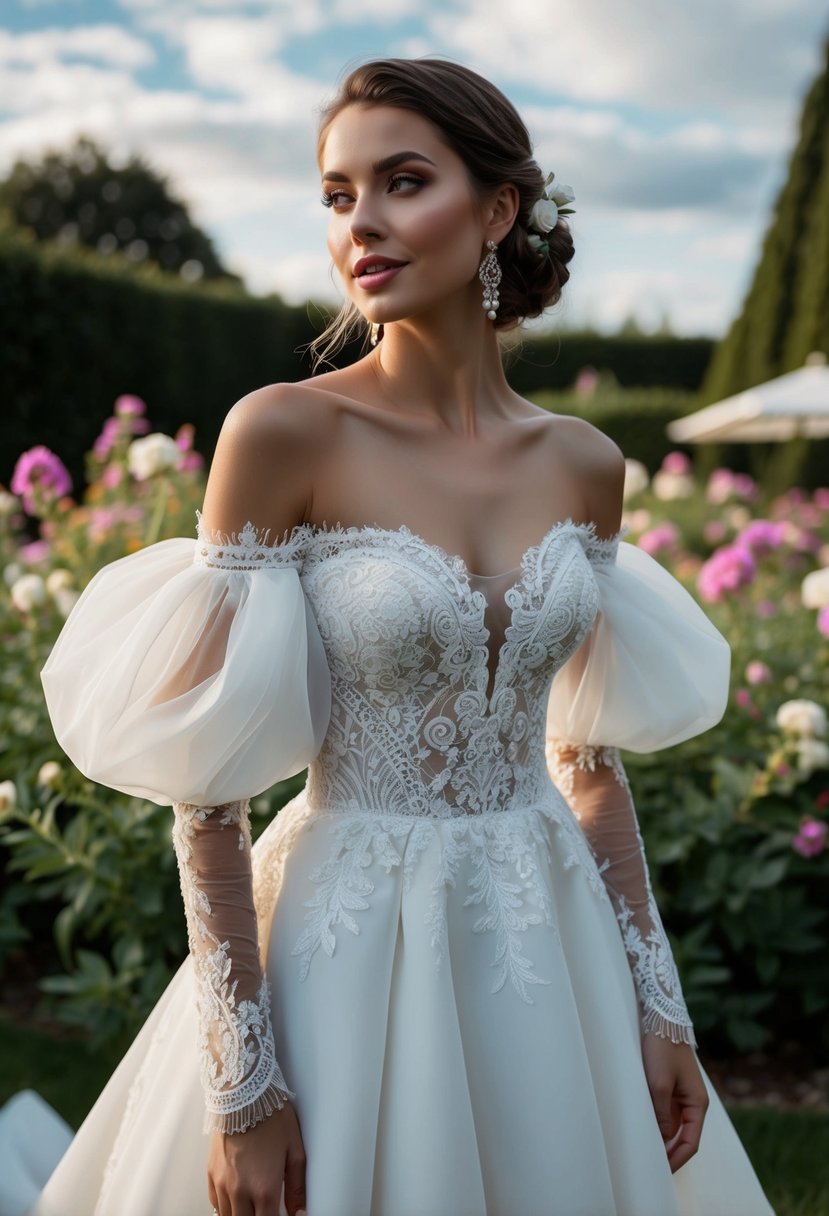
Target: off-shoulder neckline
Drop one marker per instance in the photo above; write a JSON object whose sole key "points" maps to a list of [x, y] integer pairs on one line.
{"points": [[252, 541]]}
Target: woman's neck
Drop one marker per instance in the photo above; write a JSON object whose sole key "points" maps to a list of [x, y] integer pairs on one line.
{"points": [[450, 370]]}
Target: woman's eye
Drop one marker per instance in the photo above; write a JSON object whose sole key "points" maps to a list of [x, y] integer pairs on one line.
{"points": [[409, 179], [331, 199]]}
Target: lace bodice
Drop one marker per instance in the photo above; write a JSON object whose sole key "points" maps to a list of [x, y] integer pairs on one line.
{"points": [[418, 725]]}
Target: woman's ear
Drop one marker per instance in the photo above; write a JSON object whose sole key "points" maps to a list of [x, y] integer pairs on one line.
{"points": [[502, 210]]}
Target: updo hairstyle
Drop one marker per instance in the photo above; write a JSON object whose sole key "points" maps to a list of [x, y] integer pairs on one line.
{"points": [[485, 130]]}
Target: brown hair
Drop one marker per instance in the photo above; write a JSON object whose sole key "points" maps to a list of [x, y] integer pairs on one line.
{"points": [[484, 129]]}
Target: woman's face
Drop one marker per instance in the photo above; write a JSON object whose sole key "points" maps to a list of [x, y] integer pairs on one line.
{"points": [[400, 200]]}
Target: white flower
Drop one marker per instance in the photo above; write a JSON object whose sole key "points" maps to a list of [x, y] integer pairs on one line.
{"points": [[12, 573], [8, 795], [812, 754], [49, 774], [535, 242], [636, 478], [65, 600], [28, 592], [668, 486], [57, 579], [151, 454], [814, 590], [802, 718], [562, 195], [8, 503], [544, 215]]}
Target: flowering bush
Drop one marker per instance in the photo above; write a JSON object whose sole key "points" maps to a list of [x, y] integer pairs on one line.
{"points": [[735, 822]]}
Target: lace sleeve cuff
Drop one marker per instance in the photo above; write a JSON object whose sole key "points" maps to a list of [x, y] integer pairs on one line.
{"points": [[241, 1079]]}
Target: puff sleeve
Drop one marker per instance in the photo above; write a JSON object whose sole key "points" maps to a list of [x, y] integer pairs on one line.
{"points": [[192, 673], [652, 672]]}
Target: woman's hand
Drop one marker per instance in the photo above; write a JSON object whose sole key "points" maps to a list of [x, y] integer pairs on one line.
{"points": [[245, 1171], [679, 1096]]}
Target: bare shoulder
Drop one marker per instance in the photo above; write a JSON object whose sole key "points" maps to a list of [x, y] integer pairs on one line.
{"points": [[598, 463], [263, 468]]}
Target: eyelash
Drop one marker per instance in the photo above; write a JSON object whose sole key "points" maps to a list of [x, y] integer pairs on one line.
{"points": [[327, 199]]}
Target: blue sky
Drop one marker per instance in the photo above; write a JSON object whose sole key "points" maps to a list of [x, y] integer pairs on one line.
{"points": [[672, 122]]}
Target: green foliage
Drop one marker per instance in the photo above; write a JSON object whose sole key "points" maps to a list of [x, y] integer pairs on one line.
{"points": [[80, 329], [788, 1149], [785, 315], [626, 361], [78, 196]]}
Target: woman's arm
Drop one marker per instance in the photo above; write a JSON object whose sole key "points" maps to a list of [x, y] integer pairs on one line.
{"points": [[593, 781]]}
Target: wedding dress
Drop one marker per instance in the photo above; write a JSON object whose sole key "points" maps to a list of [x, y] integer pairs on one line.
{"points": [[445, 949]]}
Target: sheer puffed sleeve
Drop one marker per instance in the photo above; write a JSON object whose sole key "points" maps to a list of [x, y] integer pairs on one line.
{"points": [[192, 673], [652, 672]]}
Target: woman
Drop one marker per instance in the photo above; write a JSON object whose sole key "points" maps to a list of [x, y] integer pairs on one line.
{"points": [[493, 1023]]}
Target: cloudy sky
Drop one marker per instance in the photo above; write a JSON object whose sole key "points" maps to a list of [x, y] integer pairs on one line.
{"points": [[672, 121]]}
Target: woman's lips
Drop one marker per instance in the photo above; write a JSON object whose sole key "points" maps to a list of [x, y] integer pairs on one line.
{"points": [[377, 278]]}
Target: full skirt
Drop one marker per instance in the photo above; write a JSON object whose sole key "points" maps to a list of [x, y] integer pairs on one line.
{"points": [[453, 1006]]}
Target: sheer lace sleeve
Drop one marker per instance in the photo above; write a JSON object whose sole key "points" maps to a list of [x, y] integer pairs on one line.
{"points": [[241, 1078], [593, 781], [652, 672]]}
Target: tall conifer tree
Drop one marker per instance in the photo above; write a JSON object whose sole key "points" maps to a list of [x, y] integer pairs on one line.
{"points": [[785, 314]]}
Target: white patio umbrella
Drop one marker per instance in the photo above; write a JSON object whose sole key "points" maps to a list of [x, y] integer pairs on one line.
{"points": [[787, 407]]}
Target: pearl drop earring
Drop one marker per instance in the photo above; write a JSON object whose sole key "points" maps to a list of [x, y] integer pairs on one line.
{"points": [[489, 272]]}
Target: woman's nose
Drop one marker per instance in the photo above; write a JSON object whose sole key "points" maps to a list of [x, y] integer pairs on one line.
{"points": [[366, 224]]}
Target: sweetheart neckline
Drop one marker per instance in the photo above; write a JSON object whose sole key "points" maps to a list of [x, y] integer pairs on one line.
{"points": [[452, 561]]}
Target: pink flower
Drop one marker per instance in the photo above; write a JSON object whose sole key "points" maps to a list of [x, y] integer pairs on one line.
{"points": [[723, 485], [676, 462], [190, 461], [35, 551], [129, 406], [823, 621], [758, 672], [656, 540], [811, 837], [39, 477], [761, 536], [765, 609], [112, 476], [105, 442], [726, 571], [821, 499], [714, 531], [783, 770]]}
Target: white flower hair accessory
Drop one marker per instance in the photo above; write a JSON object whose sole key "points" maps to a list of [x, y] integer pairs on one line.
{"points": [[545, 213]]}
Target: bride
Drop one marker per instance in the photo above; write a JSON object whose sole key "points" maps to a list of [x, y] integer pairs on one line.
{"points": [[439, 984]]}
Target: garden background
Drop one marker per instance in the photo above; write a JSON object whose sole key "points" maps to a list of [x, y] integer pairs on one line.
{"points": [[115, 381]]}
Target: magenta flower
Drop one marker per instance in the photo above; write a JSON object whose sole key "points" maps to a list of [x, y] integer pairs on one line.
{"points": [[761, 536], [656, 540], [129, 406], [758, 672], [811, 837], [821, 499], [39, 477], [714, 531], [105, 442], [726, 571], [823, 621]]}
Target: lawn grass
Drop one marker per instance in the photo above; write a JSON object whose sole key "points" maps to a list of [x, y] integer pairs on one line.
{"points": [[789, 1149]]}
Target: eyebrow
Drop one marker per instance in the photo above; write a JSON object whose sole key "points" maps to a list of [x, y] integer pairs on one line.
{"points": [[382, 166]]}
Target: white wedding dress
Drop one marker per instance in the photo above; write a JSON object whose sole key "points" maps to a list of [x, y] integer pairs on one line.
{"points": [[457, 955]]}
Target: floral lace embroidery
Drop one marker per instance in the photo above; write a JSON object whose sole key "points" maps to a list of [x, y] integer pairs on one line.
{"points": [[245, 550], [241, 1079]]}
